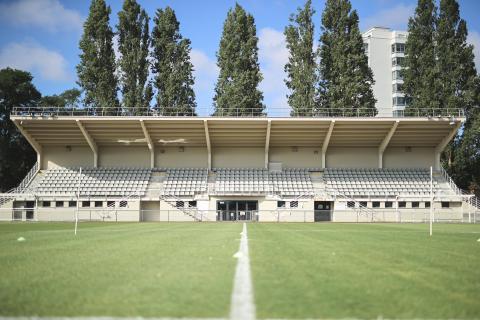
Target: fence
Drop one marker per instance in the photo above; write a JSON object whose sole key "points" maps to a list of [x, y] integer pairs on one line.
{"points": [[230, 112], [276, 216]]}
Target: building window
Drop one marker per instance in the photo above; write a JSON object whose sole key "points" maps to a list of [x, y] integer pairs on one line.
{"points": [[397, 75], [351, 204], [294, 204], [398, 101], [179, 204], [58, 204], [398, 113], [72, 204], [85, 204], [375, 204], [427, 204], [365, 48], [111, 204], [98, 204], [397, 87], [46, 204], [398, 61], [280, 204], [123, 204], [415, 204], [445, 204], [192, 204], [402, 204], [398, 48], [388, 204], [363, 204]]}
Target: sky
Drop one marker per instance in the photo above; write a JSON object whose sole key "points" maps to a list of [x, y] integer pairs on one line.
{"points": [[41, 36]]}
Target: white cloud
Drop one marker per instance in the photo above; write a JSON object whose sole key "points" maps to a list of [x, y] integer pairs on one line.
{"points": [[273, 55], [474, 39], [46, 14], [395, 17], [206, 73], [49, 65], [205, 69]]}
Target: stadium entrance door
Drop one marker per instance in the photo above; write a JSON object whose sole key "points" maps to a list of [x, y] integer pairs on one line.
{"points": [[323, 211], [233, 210]]}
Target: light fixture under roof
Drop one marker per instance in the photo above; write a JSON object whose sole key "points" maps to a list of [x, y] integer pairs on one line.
{"points": [[452, 121]]}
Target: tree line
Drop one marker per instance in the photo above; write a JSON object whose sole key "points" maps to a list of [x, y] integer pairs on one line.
{"points": [[157, 63]]}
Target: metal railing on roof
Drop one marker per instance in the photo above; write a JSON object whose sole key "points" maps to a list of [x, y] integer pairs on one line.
{"points": [[49, 112]]}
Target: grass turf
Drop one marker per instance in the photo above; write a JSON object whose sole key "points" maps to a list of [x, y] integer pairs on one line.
{"points": [[365, 271], [149, 270], [186, 270]]}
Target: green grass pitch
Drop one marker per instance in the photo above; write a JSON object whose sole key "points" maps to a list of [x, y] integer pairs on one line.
{"points": [[186, 270]]}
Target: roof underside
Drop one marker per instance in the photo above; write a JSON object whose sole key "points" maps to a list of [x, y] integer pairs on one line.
{"points": [[240, 132]]}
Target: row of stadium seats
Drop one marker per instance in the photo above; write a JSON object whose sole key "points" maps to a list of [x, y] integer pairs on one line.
{"points": [[288, 182], [379, 182], [185, 182], [94, 181], [237, 181]]}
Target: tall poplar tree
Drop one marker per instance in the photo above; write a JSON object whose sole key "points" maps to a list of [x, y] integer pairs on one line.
{"points": [[172, 67], [345, 78], [421, 81], [459, 88], [96, 70], [236, 91], [133, 44], [301, 68], [455, 59]]}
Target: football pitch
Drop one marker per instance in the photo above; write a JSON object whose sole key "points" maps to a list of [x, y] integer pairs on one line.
{"points": [[187, 270]]}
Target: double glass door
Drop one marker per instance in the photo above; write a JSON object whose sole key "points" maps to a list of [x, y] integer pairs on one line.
{"points": [[233, 210]]}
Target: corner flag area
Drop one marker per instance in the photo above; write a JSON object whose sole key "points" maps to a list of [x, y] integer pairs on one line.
{"points": [[188, 270]]}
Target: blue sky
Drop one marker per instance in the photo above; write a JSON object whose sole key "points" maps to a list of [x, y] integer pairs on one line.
{"points": [[42, 36]]}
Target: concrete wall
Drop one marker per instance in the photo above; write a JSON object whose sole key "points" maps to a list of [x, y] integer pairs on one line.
{"points": [[65, 213], [150, 211], [238, 157], [303, 158], [172, 157], [138, 157], [194, 157], [62, 157], [416, 158], [352, 157], [408, 214]]}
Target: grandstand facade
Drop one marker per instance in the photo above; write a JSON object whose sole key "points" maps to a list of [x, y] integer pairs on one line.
{"points": [[299, 169]]}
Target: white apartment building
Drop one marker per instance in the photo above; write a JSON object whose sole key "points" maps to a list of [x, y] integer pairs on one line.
{"points": [[385, 49]]}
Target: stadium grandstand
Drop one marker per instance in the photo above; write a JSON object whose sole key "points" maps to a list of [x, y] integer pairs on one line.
{"points": [[324, 166]]}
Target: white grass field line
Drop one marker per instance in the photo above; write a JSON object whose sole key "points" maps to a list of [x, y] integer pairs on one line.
{"points": [[242, 306], [103, 318]]}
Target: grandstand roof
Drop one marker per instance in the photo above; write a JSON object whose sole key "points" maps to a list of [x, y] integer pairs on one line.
{"points": [[248, 132]]}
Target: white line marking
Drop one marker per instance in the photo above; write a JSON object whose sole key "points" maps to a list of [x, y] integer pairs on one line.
{"points": [[141, 318], [242, 306], [103, 318]]}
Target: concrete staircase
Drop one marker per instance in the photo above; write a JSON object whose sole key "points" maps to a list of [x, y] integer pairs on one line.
{"points": [[155, 186]]}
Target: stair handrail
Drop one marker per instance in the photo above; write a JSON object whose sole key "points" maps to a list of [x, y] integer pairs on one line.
{"points": [[192, 212], [450, 182], [466, 196], [334, 193], [26, 180]]}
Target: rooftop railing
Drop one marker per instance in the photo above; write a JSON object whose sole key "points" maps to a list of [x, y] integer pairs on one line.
{"points": [[278, 112]]}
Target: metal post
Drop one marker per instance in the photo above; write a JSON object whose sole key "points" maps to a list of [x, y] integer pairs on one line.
{"points": [[78, 200], [36, 209], [431, 201]]}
